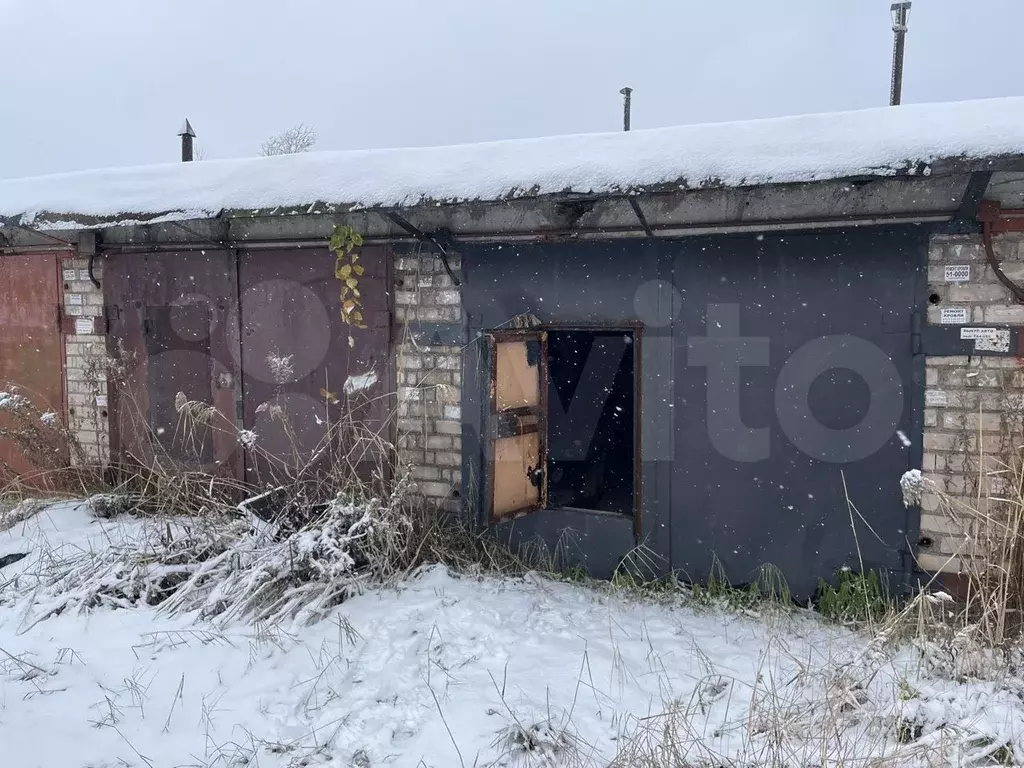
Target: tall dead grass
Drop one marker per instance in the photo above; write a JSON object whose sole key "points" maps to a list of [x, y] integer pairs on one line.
{"points": [[315, 524]]}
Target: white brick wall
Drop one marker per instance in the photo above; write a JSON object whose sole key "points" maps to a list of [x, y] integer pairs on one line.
{"points": [[84, 356], [973, 405], [429, 378]]}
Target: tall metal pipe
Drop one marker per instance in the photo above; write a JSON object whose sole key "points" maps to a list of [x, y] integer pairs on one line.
{"points": [[900, 14], [187, 136], [627, 101]]}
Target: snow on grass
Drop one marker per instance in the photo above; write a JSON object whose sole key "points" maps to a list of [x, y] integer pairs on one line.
{"points": [[54, 533], [13, 402], [449, 670]]}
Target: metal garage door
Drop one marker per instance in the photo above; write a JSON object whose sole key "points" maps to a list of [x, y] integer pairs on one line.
{"points": [[793, 374], [300, 371], [175, 315], [30, 341]]}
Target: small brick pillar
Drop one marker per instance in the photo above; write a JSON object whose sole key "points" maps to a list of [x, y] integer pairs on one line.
{"points": [[429, 376], [85, 353]]}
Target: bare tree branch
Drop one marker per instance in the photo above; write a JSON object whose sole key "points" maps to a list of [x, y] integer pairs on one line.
{"points": [[298, 138]]}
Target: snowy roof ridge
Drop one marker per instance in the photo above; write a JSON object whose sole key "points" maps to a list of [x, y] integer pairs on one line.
{"points": [[885, 141]]}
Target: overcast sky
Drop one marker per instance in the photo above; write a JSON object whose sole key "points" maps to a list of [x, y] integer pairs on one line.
{"points": [[89, 83]]}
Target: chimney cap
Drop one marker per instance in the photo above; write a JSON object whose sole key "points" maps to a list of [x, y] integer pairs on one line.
{"points": [[626, 91], [186, 129]]}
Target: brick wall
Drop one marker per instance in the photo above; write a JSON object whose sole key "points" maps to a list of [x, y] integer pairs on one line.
{"points": [[85, 354], [973, 413], [429, 376]]}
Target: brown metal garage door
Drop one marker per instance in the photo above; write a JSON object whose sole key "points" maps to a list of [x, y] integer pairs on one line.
{"points": [[174, 320], [291, 312], [210, 325]]}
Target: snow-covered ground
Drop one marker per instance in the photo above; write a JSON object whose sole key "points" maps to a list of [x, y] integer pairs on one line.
{"points": [[447, 670]]}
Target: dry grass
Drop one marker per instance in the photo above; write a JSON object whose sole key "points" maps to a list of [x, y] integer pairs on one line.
{"points": [[323, 520], [973, 641]]}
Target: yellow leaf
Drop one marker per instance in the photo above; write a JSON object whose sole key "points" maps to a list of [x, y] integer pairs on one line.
{"points": [[358, 269], [351, 282], [356, 293], [355, 257], [330, 397], [345, 271], [348, 306]]}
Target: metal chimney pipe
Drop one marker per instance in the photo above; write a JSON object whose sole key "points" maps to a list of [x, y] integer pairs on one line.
{"points": [[626, 106], [900, 14], [187, 135]]}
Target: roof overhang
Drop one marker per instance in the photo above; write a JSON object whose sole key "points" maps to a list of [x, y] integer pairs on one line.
{"points": [[664, 212]]}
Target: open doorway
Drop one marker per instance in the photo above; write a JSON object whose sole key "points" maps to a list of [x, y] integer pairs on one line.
{"points": [[564, 420], [591, 420]]}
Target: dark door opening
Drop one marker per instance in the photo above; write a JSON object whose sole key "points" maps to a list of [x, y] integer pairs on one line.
{"points": [[591, 412]]}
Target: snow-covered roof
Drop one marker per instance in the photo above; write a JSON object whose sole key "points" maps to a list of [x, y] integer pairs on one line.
{"points": [[874, 142]]}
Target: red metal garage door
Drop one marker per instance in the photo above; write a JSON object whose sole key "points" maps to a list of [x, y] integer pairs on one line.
{"points": [[31, 356]]}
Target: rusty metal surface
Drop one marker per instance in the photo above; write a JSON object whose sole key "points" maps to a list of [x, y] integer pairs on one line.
{"points": [[291, 312], [174, 320], [519, 393], [1000, 219], [31, 346]]}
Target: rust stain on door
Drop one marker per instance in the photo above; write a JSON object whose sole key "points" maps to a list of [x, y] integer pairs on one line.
{"points": [[31, 349], [518, 422]]}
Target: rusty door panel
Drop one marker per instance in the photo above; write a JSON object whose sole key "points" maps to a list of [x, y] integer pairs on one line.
{"points": [[516, 381], [518, 423], [291, 314], [514, 457], [31, 346], [174, 317]]}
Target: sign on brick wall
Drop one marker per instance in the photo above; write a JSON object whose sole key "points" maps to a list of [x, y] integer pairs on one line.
{"points": [[953, 315], [958, 273]]}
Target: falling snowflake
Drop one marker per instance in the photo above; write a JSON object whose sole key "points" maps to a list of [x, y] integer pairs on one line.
{"points": [[903, 438]]}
